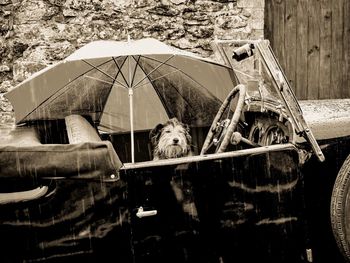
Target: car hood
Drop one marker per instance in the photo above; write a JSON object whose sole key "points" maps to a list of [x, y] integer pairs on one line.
{"points": [[327, 118]]}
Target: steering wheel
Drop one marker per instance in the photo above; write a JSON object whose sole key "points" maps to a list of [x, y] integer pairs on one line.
{"points": [[220, 132]]}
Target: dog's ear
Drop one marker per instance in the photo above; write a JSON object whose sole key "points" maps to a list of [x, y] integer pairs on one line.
{"points": [[155, 133], [188, 135]]}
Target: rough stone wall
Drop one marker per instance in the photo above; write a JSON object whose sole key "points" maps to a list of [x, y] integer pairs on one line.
{"points": [[36, 33]]}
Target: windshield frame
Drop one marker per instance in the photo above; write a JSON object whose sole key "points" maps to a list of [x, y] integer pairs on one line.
{"points": [[262, 50]]}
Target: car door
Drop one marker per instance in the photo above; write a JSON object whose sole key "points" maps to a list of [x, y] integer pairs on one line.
{"points": [[231, 208]]}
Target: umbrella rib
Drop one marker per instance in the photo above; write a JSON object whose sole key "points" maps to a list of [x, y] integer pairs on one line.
{"points": [[104, 73], [112, 84], [93, 78], [120, 70], [183, 73], [161, 64], [59, 92], [160, 97], [152, 80], [137, 64]]}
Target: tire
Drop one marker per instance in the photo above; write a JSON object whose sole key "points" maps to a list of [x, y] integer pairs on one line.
{"points": [[340, 209]]}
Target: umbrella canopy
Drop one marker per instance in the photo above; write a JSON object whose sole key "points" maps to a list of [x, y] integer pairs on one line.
{"points": [[123, 84]]}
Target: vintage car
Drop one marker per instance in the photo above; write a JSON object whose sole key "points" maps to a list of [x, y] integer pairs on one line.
{"points": [[267, 180]]}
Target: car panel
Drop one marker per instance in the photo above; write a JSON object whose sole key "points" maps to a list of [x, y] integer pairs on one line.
{"points": [[327, 118], [203, 207]]}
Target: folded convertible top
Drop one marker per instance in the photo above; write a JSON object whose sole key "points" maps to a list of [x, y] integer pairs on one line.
{"points": [[82, 160]]}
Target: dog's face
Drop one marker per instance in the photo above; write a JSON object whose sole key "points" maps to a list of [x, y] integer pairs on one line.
{"points": [[170, 140]]}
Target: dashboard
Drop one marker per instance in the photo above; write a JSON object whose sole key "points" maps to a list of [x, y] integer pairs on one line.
{"points": [[268, 128]]}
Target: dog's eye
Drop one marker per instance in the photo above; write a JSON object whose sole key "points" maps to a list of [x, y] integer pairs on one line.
{"points": [[167, 131]]}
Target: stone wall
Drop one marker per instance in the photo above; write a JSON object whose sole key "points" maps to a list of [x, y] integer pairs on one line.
{"points": [[36, 33]]}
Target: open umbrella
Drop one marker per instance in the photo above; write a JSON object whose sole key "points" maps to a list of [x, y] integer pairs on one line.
{"points": [[126, 86]]}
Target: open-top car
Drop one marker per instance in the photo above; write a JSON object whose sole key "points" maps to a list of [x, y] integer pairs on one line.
{"points": [[81, 178]]}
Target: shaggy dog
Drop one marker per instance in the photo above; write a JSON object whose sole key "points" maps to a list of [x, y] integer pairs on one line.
{"points": [[171, 140]]}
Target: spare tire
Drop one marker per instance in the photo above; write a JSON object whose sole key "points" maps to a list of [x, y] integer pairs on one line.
{"points": [[340, 209]]}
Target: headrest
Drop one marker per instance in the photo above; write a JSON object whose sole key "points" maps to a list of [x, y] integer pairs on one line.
{"points": [[80, 130]]}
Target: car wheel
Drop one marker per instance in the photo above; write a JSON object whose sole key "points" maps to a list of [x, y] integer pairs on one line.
{"points": [[340, 209]]}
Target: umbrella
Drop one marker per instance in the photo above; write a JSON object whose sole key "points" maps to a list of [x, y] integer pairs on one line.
{"points": [[125, 86]]}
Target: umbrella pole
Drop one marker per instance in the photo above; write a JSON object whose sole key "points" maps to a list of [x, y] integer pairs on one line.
{"points": [[131, 92], [131, 110]]}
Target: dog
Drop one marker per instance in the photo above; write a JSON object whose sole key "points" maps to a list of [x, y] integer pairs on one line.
{"points": [[171, 140]]}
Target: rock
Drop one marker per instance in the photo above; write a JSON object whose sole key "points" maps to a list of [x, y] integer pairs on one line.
{"points": [[141, 3], [4, 26], [224, 1], [62, 50], [18, 48], [183, 43], [32, 11], [251, 3], [209, 6], [67, 12], [57, 2], [24, 69], [156, 28], [7, 118], [164, 10], [173, 34], [4, 68], [205, 45], [196, 18], [5, 86], [3, 46], [229, 22], [246, 13], [5, 2], [188, 9], [200, 31], [178, 2], [5, 106]]}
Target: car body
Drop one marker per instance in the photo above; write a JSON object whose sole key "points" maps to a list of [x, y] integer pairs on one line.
{"points": [[266, 198]]}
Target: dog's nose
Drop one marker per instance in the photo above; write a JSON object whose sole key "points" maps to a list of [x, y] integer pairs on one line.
{"points": [[175, 140]]}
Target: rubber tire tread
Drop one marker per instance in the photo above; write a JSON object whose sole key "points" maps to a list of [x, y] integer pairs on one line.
{"points": [[338, 207]]}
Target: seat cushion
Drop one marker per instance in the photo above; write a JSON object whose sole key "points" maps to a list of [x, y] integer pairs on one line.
{"points": [[80, 130]]}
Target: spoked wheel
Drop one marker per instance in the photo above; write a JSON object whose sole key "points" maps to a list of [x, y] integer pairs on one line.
{"points": [[340, 209], [221, 131]]}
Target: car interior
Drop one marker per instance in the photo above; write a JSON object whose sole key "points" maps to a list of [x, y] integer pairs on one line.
{"points": [[257, 127]]}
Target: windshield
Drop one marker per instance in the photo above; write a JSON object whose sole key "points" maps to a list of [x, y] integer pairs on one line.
{"points": [[257, 67]]}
